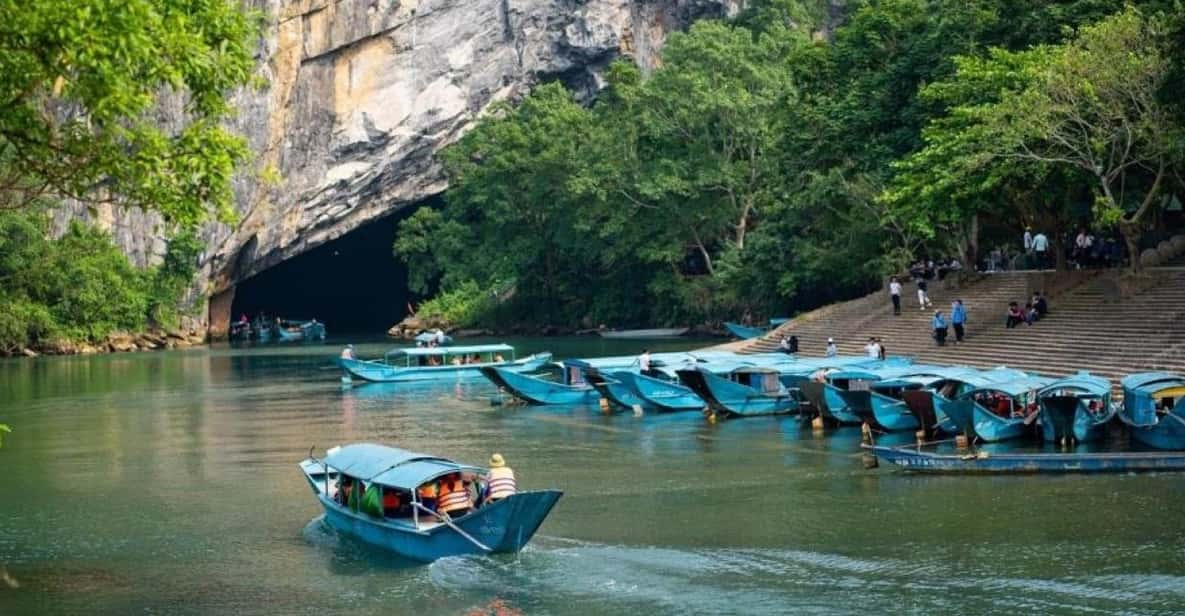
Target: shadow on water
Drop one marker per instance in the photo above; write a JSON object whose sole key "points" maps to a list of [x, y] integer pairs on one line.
{"points": [[348, 555]]}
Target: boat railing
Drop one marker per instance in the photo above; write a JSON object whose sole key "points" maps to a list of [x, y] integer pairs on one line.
{"points": [[447, 521]]}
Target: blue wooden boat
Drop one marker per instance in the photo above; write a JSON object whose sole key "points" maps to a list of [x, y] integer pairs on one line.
{"points": [[998, 411], [616, 393], [660, 391], [439, 363], [911, 458], [1154, 409], [535, 389], [1076, 408], [845, 390], [744, 332], [414, 530], [888, 406], [932, 405], [744, 392], [289, 330]]}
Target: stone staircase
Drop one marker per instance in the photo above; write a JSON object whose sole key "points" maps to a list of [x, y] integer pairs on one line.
{"points": [[1088, 327]]}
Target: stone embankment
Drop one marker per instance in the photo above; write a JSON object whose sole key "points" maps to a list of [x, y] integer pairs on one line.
{"points": [[120, 342]]}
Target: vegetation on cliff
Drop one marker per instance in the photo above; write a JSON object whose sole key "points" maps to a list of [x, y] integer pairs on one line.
{"points": [[111, 102], [763, 168]]}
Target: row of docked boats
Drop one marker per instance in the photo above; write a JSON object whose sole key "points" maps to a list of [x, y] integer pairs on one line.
{"points": [[277, 330]]}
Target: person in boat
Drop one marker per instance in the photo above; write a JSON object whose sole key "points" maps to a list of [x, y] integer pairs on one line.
{"points": [[832, 350], [392, 503], [501, 480], [1015, 316], [439, 337], [453, 497], [498, 358], [348, 352], [475, 358], [939, 325], [644, 361], [958, 318], [456, 361], [427, 494]]}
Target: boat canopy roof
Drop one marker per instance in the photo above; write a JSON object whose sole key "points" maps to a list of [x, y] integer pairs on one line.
{"points": [[1083, 381], [922, 374], [1150, 382], [453, 350], [876, 369], [1013, 387], [390, 466]]}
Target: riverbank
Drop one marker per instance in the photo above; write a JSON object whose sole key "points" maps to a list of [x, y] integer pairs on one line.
{"points": [[409, 327], [115, 342]]}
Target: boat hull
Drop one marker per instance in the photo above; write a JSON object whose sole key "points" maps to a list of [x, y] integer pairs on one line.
{"points": [[1167, 433], [379, 372], [730, 399], [910, 459], [992, 428], [644, 334], [539, 391], [661, 395], [837, 406], [618, 393], [744, 332], [891, 414], [1068, 418], [505, 527]]}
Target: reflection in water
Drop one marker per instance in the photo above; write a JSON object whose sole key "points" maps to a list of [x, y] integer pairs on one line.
{"points": [[168, 483]]}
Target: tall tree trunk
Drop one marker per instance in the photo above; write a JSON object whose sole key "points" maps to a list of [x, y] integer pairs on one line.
{"points": [[1132, 227]]}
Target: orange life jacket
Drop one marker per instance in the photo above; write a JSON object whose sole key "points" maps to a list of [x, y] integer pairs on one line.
{"points": [[453, 496]]}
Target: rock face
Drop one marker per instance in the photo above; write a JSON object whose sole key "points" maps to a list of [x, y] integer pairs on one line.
{"points": [[359, 95]]}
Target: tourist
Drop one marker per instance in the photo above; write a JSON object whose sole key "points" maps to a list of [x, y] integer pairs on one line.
{"points": [[644, 361], [923, 296], [871, 349], [1041, 249], [1030, 314], [895, 294], [939, 325], [784, 345], [1015, 316], [793, 344], [958, 317], [1081, 248], [832, 350], [428, 493], [348, 352], [880, 350], [501, 480], [439, 337], [498, 358], [453, 498], [1028, 240], [1040, 304]]}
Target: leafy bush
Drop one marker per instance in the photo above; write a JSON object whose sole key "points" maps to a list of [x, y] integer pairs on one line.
{"points": [[467, 305]]}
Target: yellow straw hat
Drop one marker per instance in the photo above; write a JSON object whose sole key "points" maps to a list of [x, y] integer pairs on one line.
{"points": [[497, 461]]}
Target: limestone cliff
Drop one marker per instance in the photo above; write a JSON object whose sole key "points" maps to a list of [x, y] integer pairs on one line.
{"points": [[360, 94]]}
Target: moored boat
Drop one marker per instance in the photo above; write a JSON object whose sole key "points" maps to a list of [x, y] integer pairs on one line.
{"points": [[845, 391], [1154, 409], [911, 458], [659, 391], [644, 334], [744, 332], [372, 492], [440, 363], [1076, 408], [932, 405], [742, 392], [290, 330], [998, 411]]}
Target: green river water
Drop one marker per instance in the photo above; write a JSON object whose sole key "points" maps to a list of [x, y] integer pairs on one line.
{"points": [[166, 483]]}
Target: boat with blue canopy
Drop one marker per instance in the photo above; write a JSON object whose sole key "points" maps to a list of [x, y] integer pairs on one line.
{"points": [[373, 492], [744, 332], [914, 459], [742, 392], [885, 408], [831, 387], [998, 411], [289, 330], [659, 390], [931, 405], [1075, 409], [1154, 409], [438, 338], [439, 363]]}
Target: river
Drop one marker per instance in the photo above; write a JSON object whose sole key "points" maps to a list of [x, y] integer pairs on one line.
{"points": [[166, 483]]}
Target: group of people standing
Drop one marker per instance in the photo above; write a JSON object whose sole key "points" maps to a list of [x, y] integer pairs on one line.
{"points": [[958, 320]]}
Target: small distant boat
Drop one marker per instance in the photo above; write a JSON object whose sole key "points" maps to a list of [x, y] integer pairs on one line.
{"points": [[1154, 409], [998, 411], [644, 334], [744, 392], [439, 363], [429, 337], [288, 330], [1076, 408], [911, 458], [414, 530], [744, 332]]}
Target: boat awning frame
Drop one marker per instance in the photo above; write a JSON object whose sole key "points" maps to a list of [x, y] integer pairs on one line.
{"points": [[392, 467]]}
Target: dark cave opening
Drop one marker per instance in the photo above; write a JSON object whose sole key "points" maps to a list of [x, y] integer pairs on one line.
{"points": [[354, 284]]}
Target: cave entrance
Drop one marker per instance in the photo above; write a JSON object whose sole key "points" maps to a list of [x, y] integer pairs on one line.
{"points": [[354, 284]]}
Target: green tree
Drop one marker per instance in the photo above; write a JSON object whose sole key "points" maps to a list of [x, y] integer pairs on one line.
{"points": [[84, 85]]}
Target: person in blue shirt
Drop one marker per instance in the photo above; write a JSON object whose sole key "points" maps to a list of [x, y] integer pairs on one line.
{"points": [[939, 325], [958, 317]]}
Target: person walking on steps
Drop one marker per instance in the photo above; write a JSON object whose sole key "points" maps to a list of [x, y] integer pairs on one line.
{"points": [[832, 350], [895, 294], [939, 325], [958, 318], [923, 297]]}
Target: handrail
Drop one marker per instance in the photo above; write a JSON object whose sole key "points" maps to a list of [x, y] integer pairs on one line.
{"points": [[448, 522]]}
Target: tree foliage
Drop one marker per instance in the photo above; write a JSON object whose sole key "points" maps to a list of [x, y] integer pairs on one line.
{"points": [[122, 101]]}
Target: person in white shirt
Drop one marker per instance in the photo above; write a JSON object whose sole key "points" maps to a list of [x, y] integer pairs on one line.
{"points": [[872, 349], [644, 361], [1040, 247], [348, 352], [832, 350], [895, 294], [1028, 240]]}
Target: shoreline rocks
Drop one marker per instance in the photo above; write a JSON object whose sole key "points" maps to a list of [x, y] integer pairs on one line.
{"points": [[115, 342]]}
